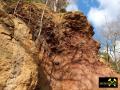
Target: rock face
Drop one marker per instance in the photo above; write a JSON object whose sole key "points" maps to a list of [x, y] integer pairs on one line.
{"points": [[64, 58], [18, 70], [71, 62]]}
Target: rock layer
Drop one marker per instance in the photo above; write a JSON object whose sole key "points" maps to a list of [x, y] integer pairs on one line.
{"points": [[65, 56], [18, 70]]}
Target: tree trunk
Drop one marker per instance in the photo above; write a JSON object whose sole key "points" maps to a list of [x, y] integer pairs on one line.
{"points": [[55, 5], [114, 52], [107, 51], [41, 22]]}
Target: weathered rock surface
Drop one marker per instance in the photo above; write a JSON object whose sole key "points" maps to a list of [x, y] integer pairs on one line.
{"points": [[18, 70], [72, 62], [65, 58]]}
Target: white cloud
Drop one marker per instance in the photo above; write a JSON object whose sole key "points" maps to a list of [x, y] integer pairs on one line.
{"points": [[108, 9], [72, 6], [106, 19], [118, 45], [117, 53]]}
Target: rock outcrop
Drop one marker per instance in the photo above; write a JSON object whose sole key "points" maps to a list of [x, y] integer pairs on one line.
{"points": [[71, 61], [18, 70], [64, 58]]}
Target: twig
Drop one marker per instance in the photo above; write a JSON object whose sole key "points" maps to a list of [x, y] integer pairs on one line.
{"points": [[41, 21], [29, 12], [16, 7]]}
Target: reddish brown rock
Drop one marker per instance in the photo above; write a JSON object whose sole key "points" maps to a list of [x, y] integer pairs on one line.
{"points": [[66, 57], [72, 62]]}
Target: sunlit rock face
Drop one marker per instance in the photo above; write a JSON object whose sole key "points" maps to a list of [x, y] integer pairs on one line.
{"points": [[65, 57], [71, 62], [18, 70]]}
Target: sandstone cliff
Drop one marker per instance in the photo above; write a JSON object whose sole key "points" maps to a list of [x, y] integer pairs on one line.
{"points": [[64, 58]]}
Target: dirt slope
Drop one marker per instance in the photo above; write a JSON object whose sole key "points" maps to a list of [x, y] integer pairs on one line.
{"points": [[65, 58]]}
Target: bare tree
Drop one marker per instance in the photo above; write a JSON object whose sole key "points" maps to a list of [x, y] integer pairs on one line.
{"points": [[56, 5], [41, 22], [111, 34]]}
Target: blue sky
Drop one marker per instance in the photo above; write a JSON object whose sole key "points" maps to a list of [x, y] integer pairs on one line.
{"points": [[104, 15], [85, 5], [98, 12]]}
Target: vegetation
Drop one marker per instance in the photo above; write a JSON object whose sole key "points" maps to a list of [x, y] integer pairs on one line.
{"points": [[111, 36], [105, 56], [111, 62], [55, 5]]}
